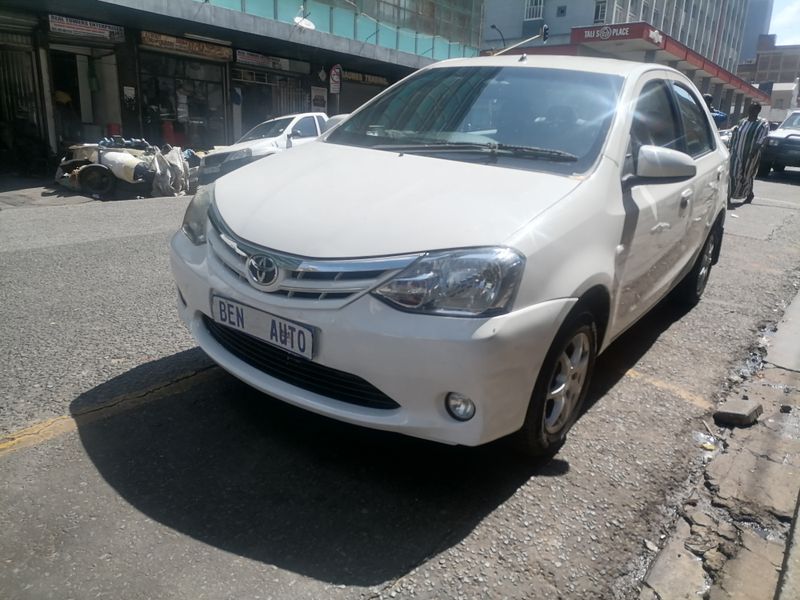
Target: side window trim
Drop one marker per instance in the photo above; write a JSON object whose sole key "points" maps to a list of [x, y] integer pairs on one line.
{"points": [[661, 81], [709, 133]]}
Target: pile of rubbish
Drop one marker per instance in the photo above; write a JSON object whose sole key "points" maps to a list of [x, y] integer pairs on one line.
{"points": [[95, 169]]}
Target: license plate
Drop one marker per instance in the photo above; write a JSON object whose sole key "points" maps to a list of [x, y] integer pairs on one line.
{"points": [[289, 335]]}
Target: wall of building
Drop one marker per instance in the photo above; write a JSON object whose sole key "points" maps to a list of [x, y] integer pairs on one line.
{"points": [[756, 23]]}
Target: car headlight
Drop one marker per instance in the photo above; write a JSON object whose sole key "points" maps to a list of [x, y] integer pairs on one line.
{"points": [[773, 141], [475, 282], [243, 154], [196, 217]]}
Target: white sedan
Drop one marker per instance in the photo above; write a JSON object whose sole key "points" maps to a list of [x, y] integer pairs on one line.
{"points": [[449, 261], [265, 139]]}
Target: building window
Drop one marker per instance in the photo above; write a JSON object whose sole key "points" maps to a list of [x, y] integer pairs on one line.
{"points": [[561, 11], [533, 9], [600, 12]]}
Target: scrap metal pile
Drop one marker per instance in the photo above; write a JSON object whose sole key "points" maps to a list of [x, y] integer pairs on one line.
{"points": [[95, 169]]}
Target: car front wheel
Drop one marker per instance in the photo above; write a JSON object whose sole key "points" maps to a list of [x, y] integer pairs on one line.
{"points": [[560, 389]]}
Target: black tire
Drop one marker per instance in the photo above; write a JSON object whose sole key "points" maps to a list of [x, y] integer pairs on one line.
{"points": [[778, 168], [97, 180], [545, 428], [764, 168], [691, 288]]}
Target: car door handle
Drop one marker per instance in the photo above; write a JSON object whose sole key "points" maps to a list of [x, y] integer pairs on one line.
{"points": [[686, 195], [720, 171]]}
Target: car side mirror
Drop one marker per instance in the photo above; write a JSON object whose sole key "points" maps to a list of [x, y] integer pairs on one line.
{"points": [[656, 164], [296, 133], [333, 122]]}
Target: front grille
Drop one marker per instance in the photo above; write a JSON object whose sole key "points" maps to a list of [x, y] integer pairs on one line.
{"points": [[298, 371], [334, 281]]}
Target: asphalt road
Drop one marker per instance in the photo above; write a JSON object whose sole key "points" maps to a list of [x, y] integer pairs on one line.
{"points": [[192, 485]]}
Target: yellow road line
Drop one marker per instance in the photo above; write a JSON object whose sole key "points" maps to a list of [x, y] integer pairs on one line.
{"points": [[57, 426], [683, 394]]}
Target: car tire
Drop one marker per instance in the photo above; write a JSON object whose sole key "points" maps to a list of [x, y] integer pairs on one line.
{"points": [[560, 389], [691, 288], [96, 180], [764, 168], [778, 168]]}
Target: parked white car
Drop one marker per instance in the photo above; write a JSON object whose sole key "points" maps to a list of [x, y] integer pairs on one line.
{"points": [[449, 261], [264, 139]]}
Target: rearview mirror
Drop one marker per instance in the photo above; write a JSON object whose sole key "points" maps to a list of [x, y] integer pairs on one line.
{"points": [[656, 163]]}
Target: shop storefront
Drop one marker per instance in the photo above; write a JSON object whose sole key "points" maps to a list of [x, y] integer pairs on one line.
{"points": [[357, 88], [183, 91], [263, 87], [82, 68], [22, 129]]}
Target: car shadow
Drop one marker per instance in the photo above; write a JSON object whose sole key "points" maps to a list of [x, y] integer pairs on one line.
{"points": [[788, 176], [240, 471], [623, 354]]}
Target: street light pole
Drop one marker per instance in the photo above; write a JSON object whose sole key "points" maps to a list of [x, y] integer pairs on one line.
{"points": [[502, 37]]}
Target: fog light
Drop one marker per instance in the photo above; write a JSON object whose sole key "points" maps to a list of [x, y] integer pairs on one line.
{"points": [[459, 406]]}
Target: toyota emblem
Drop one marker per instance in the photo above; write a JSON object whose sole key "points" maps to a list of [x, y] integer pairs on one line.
{"points": [[262, 270]]}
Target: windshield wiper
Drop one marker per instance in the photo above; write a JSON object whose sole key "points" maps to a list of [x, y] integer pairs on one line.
{"points": [[493, 149]]}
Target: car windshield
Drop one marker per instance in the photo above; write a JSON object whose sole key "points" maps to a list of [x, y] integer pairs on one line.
{"points": [[792, 122], [267, 129], [518, 117]]}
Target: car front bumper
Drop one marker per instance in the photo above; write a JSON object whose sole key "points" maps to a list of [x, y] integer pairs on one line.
{"points": [[413, 359]]}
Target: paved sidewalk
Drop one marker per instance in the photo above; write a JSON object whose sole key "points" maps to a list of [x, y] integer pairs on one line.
{"points": [[737, 537]]}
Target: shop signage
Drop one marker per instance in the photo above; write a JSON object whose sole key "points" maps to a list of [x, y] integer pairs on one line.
{"points": [[84, 28], [259, 60], [365, 78], [617, 32], [335, 79], [194, 47]]}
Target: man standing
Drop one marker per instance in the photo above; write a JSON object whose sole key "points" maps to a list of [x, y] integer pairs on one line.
{"points": [[746, 144], [718, 116]]}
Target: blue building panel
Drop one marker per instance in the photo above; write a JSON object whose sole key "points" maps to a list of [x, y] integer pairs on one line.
{"points": [[387, 36], [407, 40], [343, 23], [366, 29], [319, 14], [441, 49]]}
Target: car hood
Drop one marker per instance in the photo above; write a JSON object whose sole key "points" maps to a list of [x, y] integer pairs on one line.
{"points": [[784, 133], [332, 201], [261, 145]]}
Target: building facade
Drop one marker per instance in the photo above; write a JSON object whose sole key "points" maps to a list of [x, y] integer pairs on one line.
{"points": [[199, 73], [773, 63], [712, 28], [756, 23], [701, 38]]}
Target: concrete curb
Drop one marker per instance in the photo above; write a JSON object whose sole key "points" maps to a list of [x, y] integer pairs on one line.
{"points": [[737, 536], [789, 582]]}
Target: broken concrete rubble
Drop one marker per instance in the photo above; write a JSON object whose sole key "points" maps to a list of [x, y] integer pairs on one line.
{"points": [[738, 413]]}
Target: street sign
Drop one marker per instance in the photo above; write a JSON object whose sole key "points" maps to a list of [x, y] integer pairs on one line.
{"points": [[335, 79]]}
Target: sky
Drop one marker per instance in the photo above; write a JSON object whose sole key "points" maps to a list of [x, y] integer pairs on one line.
{"points": [[786, 21]]}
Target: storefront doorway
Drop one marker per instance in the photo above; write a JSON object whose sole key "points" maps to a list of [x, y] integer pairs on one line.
{"points": [[263, 95], [183, 101], [86, 105]]}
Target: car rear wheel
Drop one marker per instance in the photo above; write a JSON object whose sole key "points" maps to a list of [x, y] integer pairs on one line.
{"points": [[560, 389], [691, 288], [764, 168], [778, 168]]}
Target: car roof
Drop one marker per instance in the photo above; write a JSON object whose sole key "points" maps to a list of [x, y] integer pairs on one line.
{"points": [[611, 66]]}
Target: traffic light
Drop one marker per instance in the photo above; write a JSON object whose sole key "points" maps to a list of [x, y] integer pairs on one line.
{"points": [[545, 32]]}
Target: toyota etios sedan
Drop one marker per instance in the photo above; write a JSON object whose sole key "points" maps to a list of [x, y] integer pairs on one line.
{"points": [[449, 261]]}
